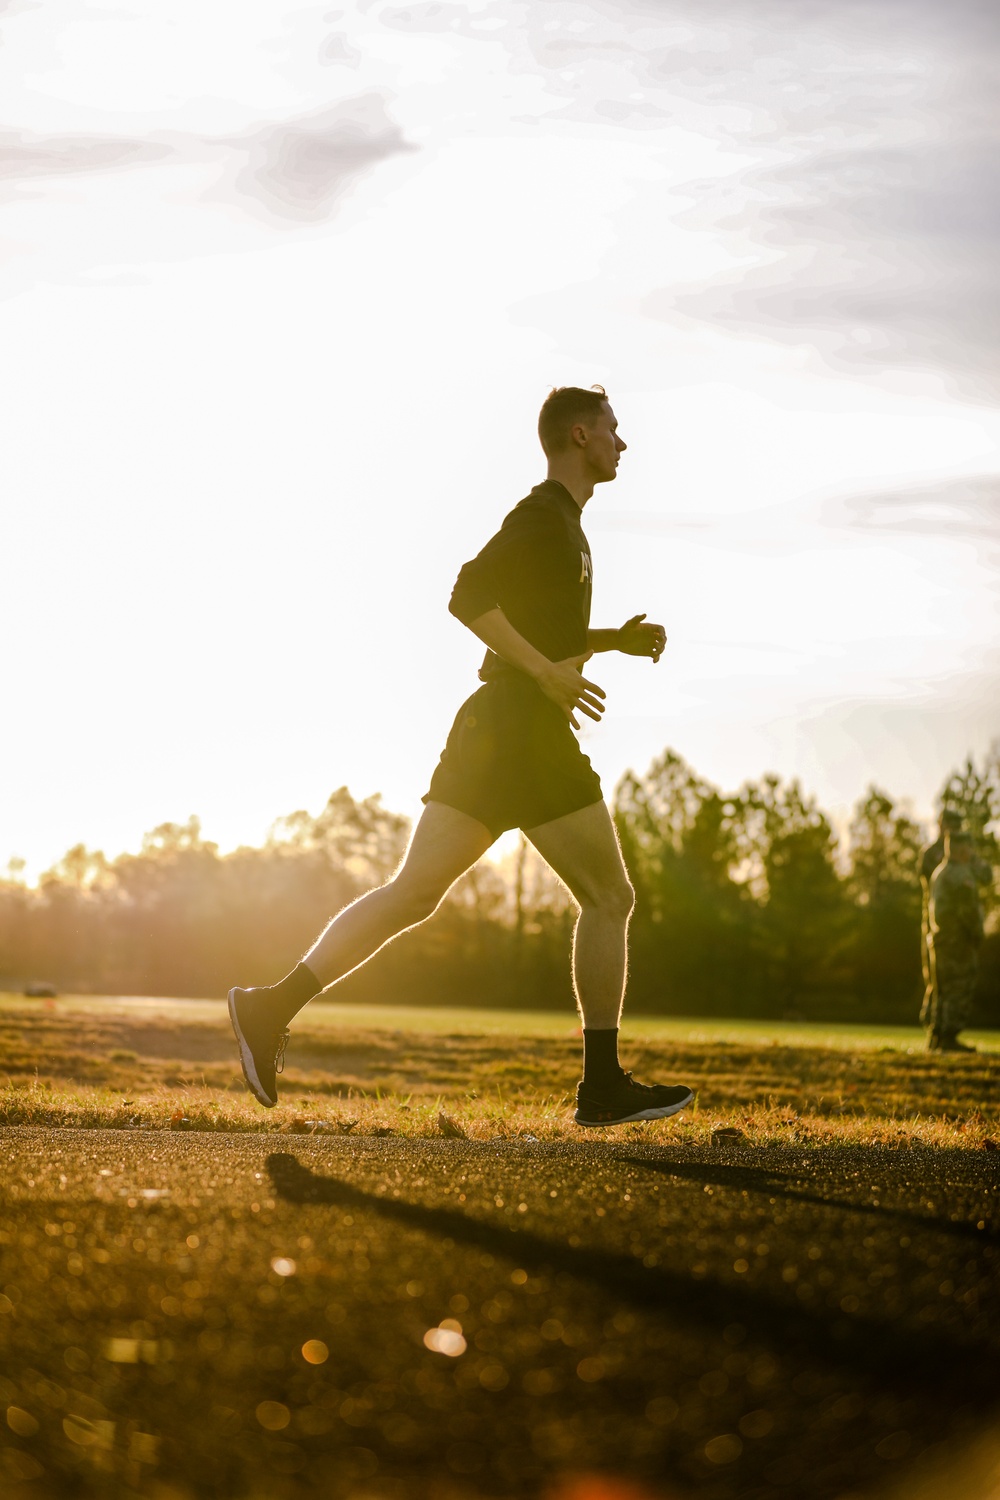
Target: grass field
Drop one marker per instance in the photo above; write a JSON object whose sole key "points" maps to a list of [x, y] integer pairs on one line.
{"points": [[133, 1062], [454, 1020], [416, 1279]]}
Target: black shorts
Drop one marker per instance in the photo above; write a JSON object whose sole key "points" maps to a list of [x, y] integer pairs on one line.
{"points": [[512, 759]]}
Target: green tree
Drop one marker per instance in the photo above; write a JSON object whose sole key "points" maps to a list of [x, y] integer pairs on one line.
{"points": [[974, 793], [884, 883], [691, 933], [787, 852], [363, 839]]}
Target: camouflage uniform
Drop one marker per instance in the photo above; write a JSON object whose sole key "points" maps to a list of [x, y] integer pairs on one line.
{"points": [[930, 857], [956, 932]]}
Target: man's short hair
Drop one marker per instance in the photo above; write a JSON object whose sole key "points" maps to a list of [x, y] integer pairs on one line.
{"points": [[562, 408], [951, 820]]}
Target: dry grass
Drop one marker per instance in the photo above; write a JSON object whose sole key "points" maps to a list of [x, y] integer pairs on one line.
{"points": [[154, 1068]]}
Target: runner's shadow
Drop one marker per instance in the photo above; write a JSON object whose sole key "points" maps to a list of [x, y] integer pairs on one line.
{"points": [[901, 1358], [775, 1183]]}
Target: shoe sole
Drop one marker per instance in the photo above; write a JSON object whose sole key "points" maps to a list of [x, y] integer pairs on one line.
{"points": [[643, 1114], [246, 1056]]}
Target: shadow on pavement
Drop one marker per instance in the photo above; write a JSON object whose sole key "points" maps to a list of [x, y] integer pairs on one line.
{"points": [[776, 1184], [899, 1357]]}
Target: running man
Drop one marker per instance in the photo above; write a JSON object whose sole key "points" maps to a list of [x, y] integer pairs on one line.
{"points": [[512, 761]]}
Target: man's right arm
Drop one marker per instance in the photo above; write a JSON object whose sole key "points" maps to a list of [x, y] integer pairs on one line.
{"points": [[930, 858], [524, 550], [561, 681]]}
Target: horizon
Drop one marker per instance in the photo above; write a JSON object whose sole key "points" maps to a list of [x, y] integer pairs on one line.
{"points": [[19, 871]]}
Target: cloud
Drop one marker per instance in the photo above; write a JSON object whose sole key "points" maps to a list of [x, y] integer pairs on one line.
{"points": [[297, 169], [431, 16], [968, 507], [336, 51], [25, 156], [881, 229], [868, 227], [880, 258]]}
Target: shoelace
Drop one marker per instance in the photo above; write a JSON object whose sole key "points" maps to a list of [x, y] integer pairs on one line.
{"points": [[279, 1056], [644, 1088]]}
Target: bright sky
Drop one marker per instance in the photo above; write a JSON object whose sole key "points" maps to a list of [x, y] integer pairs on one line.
{"points": [[283, 287]]}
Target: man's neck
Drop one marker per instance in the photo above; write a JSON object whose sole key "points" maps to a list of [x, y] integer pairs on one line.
{"points": [[572, 480]]}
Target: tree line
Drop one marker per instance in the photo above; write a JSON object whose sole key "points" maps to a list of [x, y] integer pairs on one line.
{"points": [[747, 904]]}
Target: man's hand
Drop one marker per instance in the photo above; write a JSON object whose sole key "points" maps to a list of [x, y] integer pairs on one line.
{"points": [[563, 682], [638, 638]]}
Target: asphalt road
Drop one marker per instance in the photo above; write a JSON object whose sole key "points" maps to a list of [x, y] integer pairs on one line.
{"points": [[239, 1315]]}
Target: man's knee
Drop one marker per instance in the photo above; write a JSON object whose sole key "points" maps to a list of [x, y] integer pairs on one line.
{"points": [[613, 898], [625, 898], [415, 899]]}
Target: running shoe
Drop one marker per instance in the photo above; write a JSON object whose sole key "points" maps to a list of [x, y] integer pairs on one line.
{"points": [[949, 1043], [627, 1100], [262, 1046]]}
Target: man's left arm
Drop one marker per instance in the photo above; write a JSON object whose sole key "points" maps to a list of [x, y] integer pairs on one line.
{"points": [[637, 637]]}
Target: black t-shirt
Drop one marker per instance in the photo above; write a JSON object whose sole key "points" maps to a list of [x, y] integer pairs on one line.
{"points": [[538, 570]]}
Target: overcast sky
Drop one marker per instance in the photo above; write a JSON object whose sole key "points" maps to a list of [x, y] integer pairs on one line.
{"points": [[284, 285]]}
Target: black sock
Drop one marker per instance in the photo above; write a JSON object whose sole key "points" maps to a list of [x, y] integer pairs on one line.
{"points": [[600, 1057], [286, 998]]}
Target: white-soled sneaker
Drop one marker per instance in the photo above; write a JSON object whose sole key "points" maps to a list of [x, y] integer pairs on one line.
{"points": [[262, 1046], [627, 1100]]}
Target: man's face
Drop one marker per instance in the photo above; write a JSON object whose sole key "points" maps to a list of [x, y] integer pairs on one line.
{"points": [[604, 446]]}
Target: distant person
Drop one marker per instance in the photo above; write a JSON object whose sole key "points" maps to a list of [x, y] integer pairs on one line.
{"points": [[931, 856], [956, 934], [512, 761]]}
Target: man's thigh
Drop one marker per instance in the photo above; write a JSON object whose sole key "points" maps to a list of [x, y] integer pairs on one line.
{"points": [[583, 849], [444, 845]]}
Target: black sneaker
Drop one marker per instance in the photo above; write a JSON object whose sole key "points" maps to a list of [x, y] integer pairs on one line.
{"points": [[262, 1046], [949, 1043], [627, 1100]]}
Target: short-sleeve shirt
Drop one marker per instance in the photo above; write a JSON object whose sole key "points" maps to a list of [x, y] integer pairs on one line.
{"points": [[538, 570]]}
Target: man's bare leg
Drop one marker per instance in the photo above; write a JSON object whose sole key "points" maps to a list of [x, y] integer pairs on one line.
{"points": [[445, 843], [582, 848]]}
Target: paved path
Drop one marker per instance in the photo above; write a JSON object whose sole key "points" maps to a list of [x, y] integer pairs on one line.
{"points": [[725, 1323]]}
